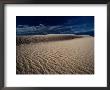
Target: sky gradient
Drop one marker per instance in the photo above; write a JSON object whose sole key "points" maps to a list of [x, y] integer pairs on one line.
{"points": [[29, 25]]}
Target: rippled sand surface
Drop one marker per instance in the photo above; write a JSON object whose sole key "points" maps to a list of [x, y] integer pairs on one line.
{"points": [[67, 56]]}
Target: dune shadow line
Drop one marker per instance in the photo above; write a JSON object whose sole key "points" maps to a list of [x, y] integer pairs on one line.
{"points": [[43, 38]]}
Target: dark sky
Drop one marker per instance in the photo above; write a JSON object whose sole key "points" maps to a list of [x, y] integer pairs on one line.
{"points": [[54, 20], [26, 25]]}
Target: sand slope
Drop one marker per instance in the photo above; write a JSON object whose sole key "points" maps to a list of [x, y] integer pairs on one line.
{"points": [[69, 56]]}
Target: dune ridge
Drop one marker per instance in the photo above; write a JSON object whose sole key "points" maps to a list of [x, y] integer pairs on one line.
{"points": [[45, 38]]}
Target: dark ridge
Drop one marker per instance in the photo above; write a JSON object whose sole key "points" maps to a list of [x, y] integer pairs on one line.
{"points": [[43, 38]]}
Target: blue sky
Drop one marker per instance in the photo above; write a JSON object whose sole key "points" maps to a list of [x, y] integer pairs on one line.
{"points": [[54, 24]]}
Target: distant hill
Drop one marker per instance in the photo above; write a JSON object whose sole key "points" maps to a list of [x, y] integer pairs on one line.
{"points": [[91, 33]]}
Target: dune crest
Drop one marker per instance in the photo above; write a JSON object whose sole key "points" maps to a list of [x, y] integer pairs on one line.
{"points": [[44, 38]]}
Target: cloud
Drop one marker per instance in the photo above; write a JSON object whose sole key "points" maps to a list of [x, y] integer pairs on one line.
{"points": [[58, 29]]}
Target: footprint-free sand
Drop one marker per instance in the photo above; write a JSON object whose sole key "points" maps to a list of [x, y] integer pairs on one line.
{"points": [[54, 54]]}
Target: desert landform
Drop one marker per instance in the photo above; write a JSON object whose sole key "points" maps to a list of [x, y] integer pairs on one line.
{"points": [[55, 54]]}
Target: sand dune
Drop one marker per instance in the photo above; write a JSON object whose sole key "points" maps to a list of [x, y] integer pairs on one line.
{"points": [[55, 54], [44, 38]]}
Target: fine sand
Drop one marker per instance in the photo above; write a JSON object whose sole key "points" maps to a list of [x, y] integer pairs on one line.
{"points": [[55, 54]]}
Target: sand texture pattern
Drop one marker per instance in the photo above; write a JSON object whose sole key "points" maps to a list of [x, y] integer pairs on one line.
{"points": [[55, 56]]}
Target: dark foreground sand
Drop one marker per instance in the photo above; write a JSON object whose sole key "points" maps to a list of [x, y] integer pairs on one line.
{"points": [[55, 54]]}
